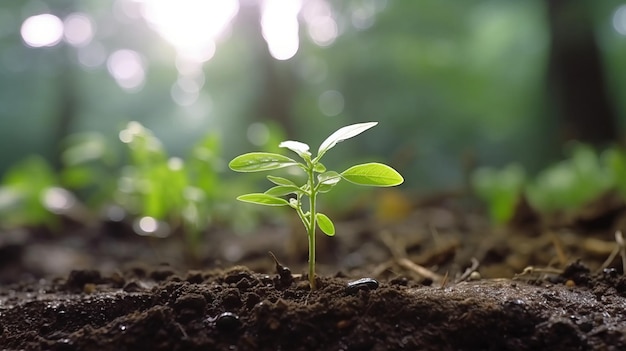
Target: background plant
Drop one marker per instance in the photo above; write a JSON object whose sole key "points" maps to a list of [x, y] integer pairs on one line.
{"points": [[571, 183], [170, 191], [318, 180], [500, 190]]}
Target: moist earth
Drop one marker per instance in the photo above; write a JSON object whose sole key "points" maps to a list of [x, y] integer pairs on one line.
{"points": [[439, 278]]}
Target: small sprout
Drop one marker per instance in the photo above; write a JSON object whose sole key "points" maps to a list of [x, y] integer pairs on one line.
{"points": [[319, 180]]}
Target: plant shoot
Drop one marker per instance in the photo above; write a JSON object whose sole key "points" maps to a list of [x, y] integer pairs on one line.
{"points": [[319, 180]]}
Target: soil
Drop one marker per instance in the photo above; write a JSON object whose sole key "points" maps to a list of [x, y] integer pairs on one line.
{"points": [[428, 276]]}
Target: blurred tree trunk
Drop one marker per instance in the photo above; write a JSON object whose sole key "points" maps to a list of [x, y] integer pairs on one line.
{"points": [[66, 111], [576, 81], [278, 84]]}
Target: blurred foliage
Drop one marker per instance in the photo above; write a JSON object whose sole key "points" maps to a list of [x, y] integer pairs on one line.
{"points": [[22, 194], [565, 186], [572, 183], [500, 190], [449, 82]]}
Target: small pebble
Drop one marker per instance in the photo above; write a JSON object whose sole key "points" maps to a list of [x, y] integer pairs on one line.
{"points": [[474, 276], [361, 284], [227, 321]]}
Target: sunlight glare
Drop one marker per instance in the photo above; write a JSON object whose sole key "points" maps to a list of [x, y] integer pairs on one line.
{"points": [[192, 26], [127, 67], [279, 23], [42, 30]]}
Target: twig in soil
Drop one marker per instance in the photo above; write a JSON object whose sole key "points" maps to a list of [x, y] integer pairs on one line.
{"points": [[399, 256], [381, 268], [468, 272], [444, 280], [397, 248], [531, 272], [558, 246], [620, 249], [419, 270]]}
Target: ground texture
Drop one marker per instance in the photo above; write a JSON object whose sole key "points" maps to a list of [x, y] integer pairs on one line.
{"points": [[421, 277]]}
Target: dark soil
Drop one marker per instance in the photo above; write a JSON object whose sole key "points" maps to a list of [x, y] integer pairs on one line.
{"points": [[445, 280]]}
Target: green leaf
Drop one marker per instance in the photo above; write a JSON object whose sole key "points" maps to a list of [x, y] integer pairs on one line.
{"points": [[299, 148], [324, 188], [329, 178], [260, 161], [319, 168], [263, 199], [325, 224], [342, 134], [280, 180], [372, 174], [283, 190]]}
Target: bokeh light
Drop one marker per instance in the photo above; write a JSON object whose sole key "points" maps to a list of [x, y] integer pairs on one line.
{"points": [[79, 29], [331, 103], [42, 30], [279, 23], [191, 26], [127, 68], [258, 134], [619, 20]]}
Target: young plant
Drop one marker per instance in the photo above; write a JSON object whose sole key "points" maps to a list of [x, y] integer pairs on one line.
{"points": [[319, 180]]}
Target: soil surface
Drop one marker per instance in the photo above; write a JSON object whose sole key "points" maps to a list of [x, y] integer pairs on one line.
{"points": [[427, 276]]}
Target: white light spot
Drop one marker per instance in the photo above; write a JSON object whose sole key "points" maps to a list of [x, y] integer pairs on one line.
{"points": [[148, 224], [331, 103], [192, 26], [619, 20], [78, 29], [58, 200], [133, 128], [279, 23], [323, 30], [314, 9], [258, 134], [42, 30], [127, 67], [175, 163]]}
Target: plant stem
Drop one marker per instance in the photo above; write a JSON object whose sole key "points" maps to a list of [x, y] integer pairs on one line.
{"points": [[311, 228]]}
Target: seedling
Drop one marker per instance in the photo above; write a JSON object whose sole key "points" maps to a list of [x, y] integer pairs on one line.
{"points": [[319, 180]]}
